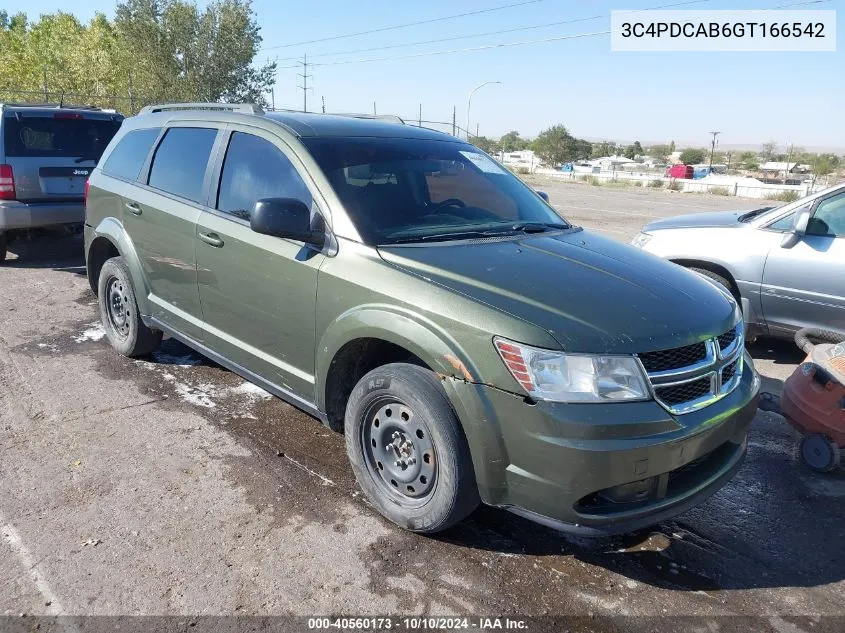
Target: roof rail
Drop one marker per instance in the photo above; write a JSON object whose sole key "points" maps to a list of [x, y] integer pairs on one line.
{"points": [[67, 106], [382, 117], [243, 108]]}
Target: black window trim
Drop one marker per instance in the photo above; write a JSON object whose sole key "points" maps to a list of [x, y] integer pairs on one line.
{"points": [[144, 176]]}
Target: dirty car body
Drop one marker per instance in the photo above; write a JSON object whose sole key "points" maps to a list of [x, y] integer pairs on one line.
{"points": [[784, 264], [429, 253]]}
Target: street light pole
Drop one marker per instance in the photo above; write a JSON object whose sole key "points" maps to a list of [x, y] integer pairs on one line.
{"points": [[469, 101]]}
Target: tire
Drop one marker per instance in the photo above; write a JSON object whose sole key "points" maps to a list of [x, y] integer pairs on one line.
{"points": [[119, 312], [722, 281], [820, 453], [3, 244], [407, 449]]}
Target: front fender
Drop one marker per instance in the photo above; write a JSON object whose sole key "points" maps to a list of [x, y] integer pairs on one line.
{"points": [[418, 335], [111, 229]]}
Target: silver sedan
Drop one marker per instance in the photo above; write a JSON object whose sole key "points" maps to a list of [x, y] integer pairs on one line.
{"points": [[785, 265]]}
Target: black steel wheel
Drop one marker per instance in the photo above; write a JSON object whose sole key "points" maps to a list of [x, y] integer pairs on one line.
{"points": [[820, 453], [122, 322], [408, 450], [399, 451]]}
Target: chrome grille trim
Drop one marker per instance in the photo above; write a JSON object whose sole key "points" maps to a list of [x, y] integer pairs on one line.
{"points": [[711, 367]]}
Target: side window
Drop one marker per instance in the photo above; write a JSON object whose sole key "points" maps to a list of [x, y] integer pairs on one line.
{"points": [[253, 169], [180, 161], [127, 158], [785, 223], [829, 218]]}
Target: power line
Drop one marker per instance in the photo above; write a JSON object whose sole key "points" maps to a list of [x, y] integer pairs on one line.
{"points": [[514, 30], [510, 44], [402, 26]]}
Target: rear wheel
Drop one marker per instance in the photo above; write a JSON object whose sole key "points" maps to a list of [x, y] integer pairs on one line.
{"points": [[119, 312], [820, 453], [407, 449], [3, 244]]}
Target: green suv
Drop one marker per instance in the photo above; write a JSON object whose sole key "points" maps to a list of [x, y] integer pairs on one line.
{"points": [[401, 286]]}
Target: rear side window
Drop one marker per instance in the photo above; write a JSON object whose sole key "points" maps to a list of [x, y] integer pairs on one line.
{"points": [[254, 169], [57, 135], [180, 161], [127, 158]]}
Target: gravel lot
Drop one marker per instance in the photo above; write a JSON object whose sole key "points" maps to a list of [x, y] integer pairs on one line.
{"points": [[171, 486]]}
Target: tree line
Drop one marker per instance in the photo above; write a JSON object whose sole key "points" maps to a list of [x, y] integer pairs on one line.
{"points": [[555, 146], [152, 51]]}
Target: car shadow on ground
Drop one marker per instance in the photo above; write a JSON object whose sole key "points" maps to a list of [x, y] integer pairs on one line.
{"points": [[54, 248]]}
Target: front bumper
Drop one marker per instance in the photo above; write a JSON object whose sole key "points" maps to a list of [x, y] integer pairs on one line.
{"points": [[27, 215], [595, 469]]}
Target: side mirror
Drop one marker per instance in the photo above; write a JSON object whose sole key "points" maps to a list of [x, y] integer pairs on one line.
{"points": [[799, 228], [543, 195], [285, 217]]}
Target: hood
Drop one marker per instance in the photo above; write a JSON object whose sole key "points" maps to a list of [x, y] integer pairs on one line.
{"points": [[591, 293], [698, 220]]}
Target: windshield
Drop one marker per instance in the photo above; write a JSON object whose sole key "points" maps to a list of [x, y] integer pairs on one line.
{"points": [[52, 135], [410, 190]]}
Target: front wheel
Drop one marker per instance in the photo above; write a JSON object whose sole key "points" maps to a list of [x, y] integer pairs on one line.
{"points": [[122, 322], [407, 449]]}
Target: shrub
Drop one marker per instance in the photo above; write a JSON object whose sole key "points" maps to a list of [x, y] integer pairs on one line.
{"points": [[655, 184], [783, 196], [592, 180], [720, 191], [674, 185]]}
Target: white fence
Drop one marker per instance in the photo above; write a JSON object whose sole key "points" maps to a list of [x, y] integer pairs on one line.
{"points": [[724, 186]]}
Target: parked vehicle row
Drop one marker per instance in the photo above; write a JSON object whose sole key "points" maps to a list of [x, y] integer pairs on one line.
{"points": [[404, 288]]}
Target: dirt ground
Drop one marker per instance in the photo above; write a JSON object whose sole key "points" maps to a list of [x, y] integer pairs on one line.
{"points": [[171, 486]]}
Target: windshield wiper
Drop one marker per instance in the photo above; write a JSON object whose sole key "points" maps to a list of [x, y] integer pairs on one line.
{"points": [[536, 227], [84, 158], [525, 227], [745, 217]]}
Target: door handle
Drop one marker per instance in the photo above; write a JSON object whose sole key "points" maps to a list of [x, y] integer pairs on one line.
{"points": [[133, 207], [211, 238]]}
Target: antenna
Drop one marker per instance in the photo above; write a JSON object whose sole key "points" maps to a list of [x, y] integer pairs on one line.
{"points": [[304, 87]]}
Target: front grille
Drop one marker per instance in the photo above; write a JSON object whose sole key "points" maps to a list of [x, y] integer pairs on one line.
{"points": [[729, 372], [727, 339], [668, 359], [684, 392]]}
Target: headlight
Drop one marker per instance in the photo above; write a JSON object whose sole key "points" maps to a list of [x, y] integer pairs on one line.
{"points": [[559, 377], [641, 240]]}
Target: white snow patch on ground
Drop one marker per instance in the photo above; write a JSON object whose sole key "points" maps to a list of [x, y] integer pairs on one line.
{"points": [[251, 390], [95, 332]]}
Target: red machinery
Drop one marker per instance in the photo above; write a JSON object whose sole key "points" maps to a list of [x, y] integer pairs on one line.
{"points": [[813, 399]]}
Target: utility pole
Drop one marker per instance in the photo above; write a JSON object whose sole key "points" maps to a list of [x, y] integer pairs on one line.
{"points": [[788, 158], [419, 121], [131, 96], [476, 130], [713, 148], [46, 93], [454, 113], [374, 108], [324, 104], [305, 77]]}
